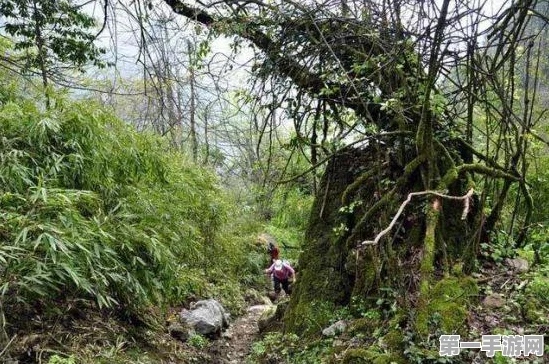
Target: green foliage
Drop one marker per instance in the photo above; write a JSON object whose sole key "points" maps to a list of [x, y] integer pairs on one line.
{"points": [[198, 341], [56, 359], [538, 289], [447, 307], [292, 207], [500, 247], [277, 348], [51, 33], [360, 308], [537, 249], [92, 209]]}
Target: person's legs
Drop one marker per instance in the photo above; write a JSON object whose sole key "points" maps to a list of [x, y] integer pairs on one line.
{"points": [[276, 283], [286, 286]]}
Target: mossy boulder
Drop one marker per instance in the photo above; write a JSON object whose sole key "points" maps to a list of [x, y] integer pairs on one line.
{"points": [[266, 319], [446, 306]]}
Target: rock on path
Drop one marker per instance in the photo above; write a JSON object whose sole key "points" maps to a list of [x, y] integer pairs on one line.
{"points": [[235, 343]]}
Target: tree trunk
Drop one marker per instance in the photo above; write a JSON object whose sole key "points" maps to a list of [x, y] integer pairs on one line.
{"points": [[192, 110], [206, 140], [42, 52], [331, 269]]}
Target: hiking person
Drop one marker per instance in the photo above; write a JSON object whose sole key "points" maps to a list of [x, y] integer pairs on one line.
{"points": [[273, 251], [281, 273]]}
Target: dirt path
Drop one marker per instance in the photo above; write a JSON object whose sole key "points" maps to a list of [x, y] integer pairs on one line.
{"points": [[235, 343]]}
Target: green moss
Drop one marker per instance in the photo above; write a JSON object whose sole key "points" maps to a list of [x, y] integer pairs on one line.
{"points": [[539, 289], [450, 177], [390, 358], [445, 307], [457, 269], [315, 316], [371, 356], [366, 271], [429, 244], [360, 181], [413, 165], [364, 325], [356, 356], [459, 289], [394, 339], [528, 255], [531, 311]]}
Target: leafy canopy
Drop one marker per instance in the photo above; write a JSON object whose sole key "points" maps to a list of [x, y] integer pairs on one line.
{"points": [[52, 33]]}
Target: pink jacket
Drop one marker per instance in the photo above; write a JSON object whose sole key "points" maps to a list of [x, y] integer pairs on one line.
{"points": [[282, 274]]}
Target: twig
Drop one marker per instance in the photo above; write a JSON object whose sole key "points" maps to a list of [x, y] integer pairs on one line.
{"points": [[325, 196], [7, 345], [503, 285], [466, 207]]}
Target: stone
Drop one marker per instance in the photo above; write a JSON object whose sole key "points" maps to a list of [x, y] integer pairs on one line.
{"points": [[206, 317], [518, 264], [271, 318], [180, 331], [259, 308], [495, 300], [267, 317], [272, 296], [335, 329]]}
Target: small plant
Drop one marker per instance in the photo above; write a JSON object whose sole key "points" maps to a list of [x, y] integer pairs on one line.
{"points": [[350, 208], [361, 308], [198, 341], [340, 230], [276, 348], [501, 247], [56, 359], [258, 349]]}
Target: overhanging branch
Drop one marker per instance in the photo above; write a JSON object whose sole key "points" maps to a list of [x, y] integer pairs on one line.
{"points": [[300, 74]]}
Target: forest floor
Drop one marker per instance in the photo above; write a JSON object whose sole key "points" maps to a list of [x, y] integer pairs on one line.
{"points": [[235, 343], [93, 337]]}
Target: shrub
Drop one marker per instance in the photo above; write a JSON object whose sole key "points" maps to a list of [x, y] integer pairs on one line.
{"points": [[92, 209]]}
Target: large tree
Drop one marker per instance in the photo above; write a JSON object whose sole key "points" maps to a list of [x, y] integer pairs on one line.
{"points": [[401, 80]]}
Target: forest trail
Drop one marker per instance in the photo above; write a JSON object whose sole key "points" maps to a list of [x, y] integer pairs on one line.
{"points": [[235, 343]]}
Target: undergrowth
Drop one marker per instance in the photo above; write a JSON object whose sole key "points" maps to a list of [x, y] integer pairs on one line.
{"points": [[93, 211]]}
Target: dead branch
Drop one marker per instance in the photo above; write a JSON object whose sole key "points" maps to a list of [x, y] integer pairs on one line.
{"points": [[466, 206]]}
